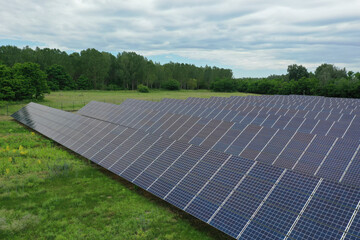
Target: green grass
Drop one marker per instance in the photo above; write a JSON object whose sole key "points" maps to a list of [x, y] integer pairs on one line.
{"points": [[47, 192], [74, 100]]}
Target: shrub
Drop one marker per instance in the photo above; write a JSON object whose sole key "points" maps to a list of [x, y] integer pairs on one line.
{"points": [[172, 84], [143, 89]]}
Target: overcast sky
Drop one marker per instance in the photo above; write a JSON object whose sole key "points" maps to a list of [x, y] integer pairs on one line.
{"points": [[252, 37]]}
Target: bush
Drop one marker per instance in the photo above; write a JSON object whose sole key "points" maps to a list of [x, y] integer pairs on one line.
{"points": [[172, 84], [142, 88]]}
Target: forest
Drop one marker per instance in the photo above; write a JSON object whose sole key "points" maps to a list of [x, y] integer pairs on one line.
{"points": [[27, 73], [92, 69]]}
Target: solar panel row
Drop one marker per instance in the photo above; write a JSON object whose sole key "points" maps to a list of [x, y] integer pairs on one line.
{"points": [[299, 102], [244, 198], [342, 126], [336, 106], [292, 123], [329, 111], [336, 159], [327, 114]]}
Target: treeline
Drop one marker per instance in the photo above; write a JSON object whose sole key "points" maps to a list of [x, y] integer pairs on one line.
{"points": [[30, 73], [92, 69], [327, 80]]}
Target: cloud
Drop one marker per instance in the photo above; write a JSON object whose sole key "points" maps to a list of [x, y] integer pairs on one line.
{"points": [[255, 37]]}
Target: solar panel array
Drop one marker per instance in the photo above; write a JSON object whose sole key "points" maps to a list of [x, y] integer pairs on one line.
{"points": [[317, 154], [169, 151]]}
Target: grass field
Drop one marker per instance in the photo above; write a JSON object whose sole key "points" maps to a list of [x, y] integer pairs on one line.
{"points": [[47, 192], [74, 100]]}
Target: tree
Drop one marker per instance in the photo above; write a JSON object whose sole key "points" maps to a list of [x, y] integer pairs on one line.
{"points": [[191, 83], [328, 72], [74, 65], [150, 76], [95, 66], [105, 71], [242, 85], [83, 83], [297, 72], [357, 76], [132, 68], [58, 79], [10, 55], [6, 84], [113, 77], [22, 81], [33, 77]]}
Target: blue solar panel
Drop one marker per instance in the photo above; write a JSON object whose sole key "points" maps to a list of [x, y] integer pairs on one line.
{"points": [[196, 178], [351, 176], [354, 230], [306, 229], [176, 172], [240, 197], [238, 209]]}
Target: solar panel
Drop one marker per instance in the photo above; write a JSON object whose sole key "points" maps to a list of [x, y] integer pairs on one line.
{"points": [[278, 150], [251, 116], [244, 198]]}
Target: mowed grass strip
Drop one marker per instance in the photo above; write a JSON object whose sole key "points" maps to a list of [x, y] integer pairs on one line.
{"points": [[47, 192], [74, 100]]}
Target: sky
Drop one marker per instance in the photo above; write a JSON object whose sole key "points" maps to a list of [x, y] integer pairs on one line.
{"points": [[255, 38]]}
